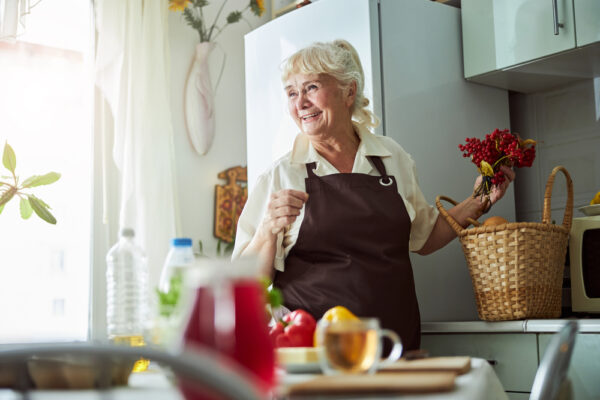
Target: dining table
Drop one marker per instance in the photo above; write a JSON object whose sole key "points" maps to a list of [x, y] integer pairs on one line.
{"points": [[480, 382]]}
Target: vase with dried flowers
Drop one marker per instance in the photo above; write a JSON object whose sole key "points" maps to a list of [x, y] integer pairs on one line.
{"points": [[199, 93]]}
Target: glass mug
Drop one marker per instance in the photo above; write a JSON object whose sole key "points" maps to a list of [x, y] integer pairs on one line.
{"points": [[354, 346]]}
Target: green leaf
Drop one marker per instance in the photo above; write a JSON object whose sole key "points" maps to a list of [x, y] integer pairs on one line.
{"points": [[39, 180], [1, 208], [25, 207], [234, 17], [9, 159], [195, 23], [41, 209], [43, 203], [273, 295], [265, 282], [7, 195], [167, 301], [275, 298]]}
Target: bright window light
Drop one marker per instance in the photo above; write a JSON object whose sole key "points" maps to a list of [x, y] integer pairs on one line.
{"points": [[45, 116]]}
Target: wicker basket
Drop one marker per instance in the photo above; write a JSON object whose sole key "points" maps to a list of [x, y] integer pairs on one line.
{"points": [[517, 268]]}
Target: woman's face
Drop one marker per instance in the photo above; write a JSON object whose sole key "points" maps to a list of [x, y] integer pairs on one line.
{"points": [[317, 104]]}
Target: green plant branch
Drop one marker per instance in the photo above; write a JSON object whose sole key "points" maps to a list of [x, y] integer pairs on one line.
{"points": [[212, 27], [219, 30], [194, 15], [200, 13], [28, 202]]}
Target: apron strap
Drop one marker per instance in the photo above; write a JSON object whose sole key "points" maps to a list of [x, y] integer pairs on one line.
{"points": [[375, 160], [310, 167], [378, 164]]}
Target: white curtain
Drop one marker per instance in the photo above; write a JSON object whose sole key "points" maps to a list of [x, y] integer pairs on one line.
{"points": [[12, 17], [132, 71]]}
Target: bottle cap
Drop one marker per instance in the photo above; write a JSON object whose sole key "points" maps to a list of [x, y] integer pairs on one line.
{"points": [[127, 232], [181, 242]]}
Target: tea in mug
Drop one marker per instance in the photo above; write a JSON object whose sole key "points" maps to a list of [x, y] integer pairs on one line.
{"points": [[351, 350]]}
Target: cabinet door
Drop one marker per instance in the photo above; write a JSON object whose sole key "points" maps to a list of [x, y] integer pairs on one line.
{"points": [[513, 356], [585, 364], [498, 34], [587, 16], [524, 30]]}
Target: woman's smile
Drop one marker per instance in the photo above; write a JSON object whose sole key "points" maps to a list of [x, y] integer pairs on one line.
{"points": [[307, 118]]}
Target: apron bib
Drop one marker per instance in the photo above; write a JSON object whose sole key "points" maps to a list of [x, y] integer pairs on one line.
{"points": [[352, 250]]}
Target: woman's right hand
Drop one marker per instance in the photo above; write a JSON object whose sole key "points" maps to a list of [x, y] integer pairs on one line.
{"points": [[283, 209]]}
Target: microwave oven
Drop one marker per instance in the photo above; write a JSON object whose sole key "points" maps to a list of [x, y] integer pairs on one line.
{"points": [[584, 250]]}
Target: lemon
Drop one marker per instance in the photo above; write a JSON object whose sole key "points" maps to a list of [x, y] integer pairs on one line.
{"points": [[338, 313], [596, 199], [335, 314]]}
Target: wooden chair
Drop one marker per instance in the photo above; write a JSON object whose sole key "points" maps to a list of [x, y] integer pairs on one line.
{"points": [[551, 377]]}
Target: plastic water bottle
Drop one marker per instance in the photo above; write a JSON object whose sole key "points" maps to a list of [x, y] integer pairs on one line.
{"points": [[180, 257], [172, 292], [127, 294]]}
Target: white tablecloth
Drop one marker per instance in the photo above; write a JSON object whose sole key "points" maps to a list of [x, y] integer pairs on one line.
{"points": [[480, 383]]}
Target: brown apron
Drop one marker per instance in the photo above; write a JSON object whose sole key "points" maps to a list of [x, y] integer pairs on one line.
{"points": [[352, 250]]}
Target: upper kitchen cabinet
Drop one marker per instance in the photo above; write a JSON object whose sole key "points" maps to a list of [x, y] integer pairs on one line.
{"points": [[530, 45], [587, 16]]}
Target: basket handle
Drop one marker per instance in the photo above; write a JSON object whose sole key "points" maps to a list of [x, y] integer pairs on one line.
{"points": [[546, 216], [453, 224]]}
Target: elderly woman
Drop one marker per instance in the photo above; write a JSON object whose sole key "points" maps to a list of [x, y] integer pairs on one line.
{"points": [[333, 220]]}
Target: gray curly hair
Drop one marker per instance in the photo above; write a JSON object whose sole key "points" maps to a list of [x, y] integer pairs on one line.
{"points": [[340, 60]]}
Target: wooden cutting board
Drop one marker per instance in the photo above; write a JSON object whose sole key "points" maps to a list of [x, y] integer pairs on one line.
{"points": [[458, 365], [392, 382]]}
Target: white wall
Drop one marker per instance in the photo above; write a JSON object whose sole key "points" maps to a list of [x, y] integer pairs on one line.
{"points": [[197, 175], [566, 123]]}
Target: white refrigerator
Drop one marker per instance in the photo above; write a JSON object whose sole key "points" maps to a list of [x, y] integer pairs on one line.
{"points": [[412, 56]]}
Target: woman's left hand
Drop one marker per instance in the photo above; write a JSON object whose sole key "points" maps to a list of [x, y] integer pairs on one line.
{"points": [[497, 191], [470, 208]]}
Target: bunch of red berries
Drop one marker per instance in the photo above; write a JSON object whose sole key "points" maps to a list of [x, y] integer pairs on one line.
{"points": [[498, 148]]}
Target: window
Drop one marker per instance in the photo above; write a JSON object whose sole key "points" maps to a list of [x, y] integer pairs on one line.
{"points": [[45, 115]]}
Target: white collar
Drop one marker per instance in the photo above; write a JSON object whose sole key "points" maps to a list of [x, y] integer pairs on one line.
{"points": [[303, 152]]}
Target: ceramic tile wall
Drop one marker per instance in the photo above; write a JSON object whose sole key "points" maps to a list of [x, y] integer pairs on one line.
{"points": [[566, 124]]}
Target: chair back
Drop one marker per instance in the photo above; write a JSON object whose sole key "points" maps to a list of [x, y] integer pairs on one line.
{"points": [[554, 365], [200, 367]]}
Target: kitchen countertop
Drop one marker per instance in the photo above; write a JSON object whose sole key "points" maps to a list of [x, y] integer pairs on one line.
{"points": [[523, 326]]}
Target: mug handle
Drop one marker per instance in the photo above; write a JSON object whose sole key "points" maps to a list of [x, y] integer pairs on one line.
{"points": [[396, 350]]}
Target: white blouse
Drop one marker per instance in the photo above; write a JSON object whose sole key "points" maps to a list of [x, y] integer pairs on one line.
{"points": [[289, 172]]}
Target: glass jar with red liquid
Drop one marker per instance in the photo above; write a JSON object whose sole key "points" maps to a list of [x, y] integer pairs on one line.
{"points": [[229, 315]]}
